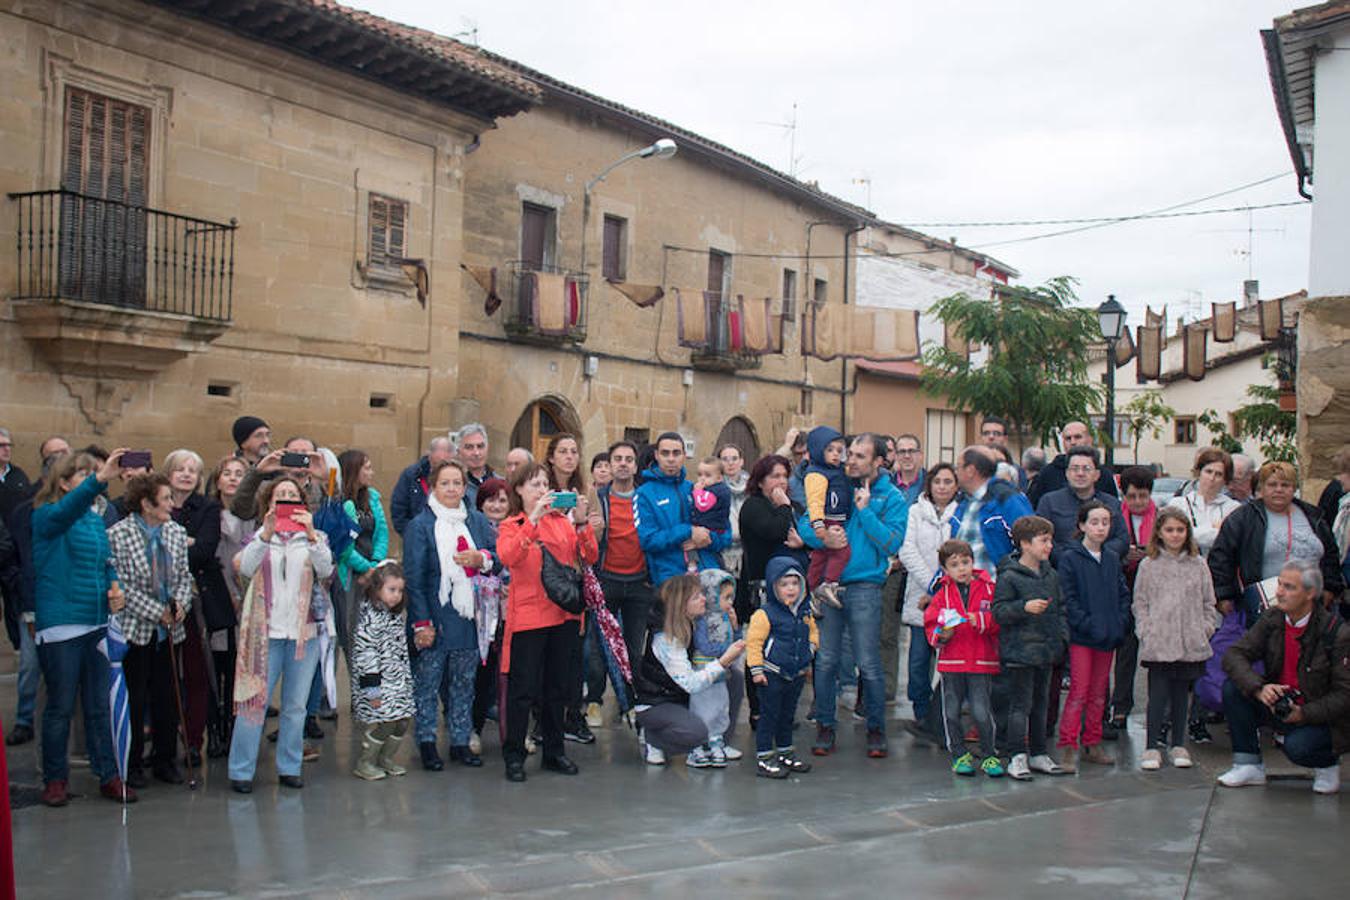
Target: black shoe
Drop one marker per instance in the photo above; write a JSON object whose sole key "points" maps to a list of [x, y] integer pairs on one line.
{"points": [[575, 730], [20, 734], [168, 773], [273, 712], [273, 736], [771, 767], [194, 758], [560, 764], [515, 770], [241, 787], [1110, 732], [291, 781], [466, 757], [431, 760], [1199, 733], [136, 779], [312, 730]]}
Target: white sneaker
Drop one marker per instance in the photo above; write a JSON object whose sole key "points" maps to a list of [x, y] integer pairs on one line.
{"points": [[1044, 764], [732, 753], [1179, 757], [702, 758], [475, 744], [1151, 760], [652, 756], [1018, 769], [1243, 774], [595, 716], [1327, 781]]}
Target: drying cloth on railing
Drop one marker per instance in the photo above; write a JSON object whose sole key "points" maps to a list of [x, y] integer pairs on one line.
{"points": [[642, 295], [1154, 320], [830, 331], [954, 340], [1225, 322], [1272, 317], [486, 276], [691, 318], [1193, 352], [551, 302], [1148, 359], [755, 318]]}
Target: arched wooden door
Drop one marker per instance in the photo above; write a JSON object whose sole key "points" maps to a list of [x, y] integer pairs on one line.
{"points": [[540, 421], [739, 432]]}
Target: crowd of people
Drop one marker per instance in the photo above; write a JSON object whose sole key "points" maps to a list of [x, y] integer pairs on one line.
{"points": [[1025, 595]]}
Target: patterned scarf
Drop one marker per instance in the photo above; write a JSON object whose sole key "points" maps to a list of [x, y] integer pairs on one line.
{"points": [[250, 668], [161, 565], [609, 626]]}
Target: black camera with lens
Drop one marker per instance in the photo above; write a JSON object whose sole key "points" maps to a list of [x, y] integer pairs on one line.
{"points": [[1285, 704]]}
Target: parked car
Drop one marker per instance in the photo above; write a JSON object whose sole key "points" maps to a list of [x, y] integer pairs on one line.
{"points": [[1165, 487]]}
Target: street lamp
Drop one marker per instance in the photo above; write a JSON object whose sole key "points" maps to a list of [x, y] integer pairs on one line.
{"points": [[1111, 321], [662, 149]]}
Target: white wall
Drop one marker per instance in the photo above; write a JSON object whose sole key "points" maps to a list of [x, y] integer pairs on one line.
{"points": [[1329, 264], [898, 283]]}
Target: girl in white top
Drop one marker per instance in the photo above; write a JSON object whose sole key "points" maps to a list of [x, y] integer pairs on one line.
{"points": [[1206, 506]]}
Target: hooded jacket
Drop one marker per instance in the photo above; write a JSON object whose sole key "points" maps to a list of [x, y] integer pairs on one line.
{"points": [[1096, 598], [875, 533], [662, 509], [829, 495], [1025, 639], [781, 639], [713, 631], [1001, 506], [973, 646]]}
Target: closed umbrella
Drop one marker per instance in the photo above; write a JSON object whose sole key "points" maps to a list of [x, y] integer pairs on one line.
{"points": [[114, 646]]}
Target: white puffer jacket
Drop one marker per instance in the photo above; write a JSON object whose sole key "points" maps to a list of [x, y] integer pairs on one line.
{"points": [[926, 532]]}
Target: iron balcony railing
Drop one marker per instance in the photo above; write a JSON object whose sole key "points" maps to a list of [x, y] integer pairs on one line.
{"points": [[725, 351], [76, 247], [544, 303]]}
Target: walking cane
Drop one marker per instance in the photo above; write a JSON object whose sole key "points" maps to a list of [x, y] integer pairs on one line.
{"points": [[178, 702]]}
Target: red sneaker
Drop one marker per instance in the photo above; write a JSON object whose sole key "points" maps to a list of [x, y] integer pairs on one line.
{"points": [[54, 793], [113, 788], [824, 744]]}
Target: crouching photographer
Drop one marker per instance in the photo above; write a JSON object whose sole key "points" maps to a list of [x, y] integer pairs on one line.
{"points": [[1305, 691]]}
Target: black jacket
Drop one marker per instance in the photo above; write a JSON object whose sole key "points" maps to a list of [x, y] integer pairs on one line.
{"points": [[652, 684], [1024, 639], [1055, 476], [10, 587], [1235, 558], [14, 490], [200, 517], [1323, 672]]}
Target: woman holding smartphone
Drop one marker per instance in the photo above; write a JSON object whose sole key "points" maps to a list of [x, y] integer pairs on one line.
{"points": [[541, 645], [278, 630], [566, 479]]}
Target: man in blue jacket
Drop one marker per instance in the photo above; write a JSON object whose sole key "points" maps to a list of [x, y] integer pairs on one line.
{"points": [[984, 519], [410, 493], [873, 534], [1061, 506], [664, 503]]}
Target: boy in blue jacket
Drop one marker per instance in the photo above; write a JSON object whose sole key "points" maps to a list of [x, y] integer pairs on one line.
{"points": [[829, 499]]}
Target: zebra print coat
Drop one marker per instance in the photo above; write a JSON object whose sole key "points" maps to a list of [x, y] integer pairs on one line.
{"points": [[379, 665]]}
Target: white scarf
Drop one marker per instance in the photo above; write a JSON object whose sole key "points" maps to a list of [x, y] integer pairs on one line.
{"points": [[452, 524]]}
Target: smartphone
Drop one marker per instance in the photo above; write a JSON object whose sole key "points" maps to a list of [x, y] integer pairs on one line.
{"points": [[286, 517], [292, 460], [135, 459], [565, 500]]}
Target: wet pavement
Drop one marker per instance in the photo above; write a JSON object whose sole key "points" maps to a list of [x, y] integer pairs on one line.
{"points": [[853, 827]]}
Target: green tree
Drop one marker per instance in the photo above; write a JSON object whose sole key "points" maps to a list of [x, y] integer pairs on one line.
{"points": [[1148, 412], [1036, 373], [1262, 418], [1218, 432]]}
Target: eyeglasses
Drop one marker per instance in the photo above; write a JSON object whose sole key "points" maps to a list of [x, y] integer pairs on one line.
{"points": [[907, 452], [1082, 468]]}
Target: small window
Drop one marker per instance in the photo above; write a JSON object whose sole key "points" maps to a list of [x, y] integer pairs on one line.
{"points": [[1183, 430], [806, 402], [789, 295], [219, 389], [639, 436], [822, 291], [614, 265], [381, 401], [388, 221]]}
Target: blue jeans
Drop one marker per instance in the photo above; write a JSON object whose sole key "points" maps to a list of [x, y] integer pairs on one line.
{"points": [[72, 667], [439, 672], [1305, 745], [861, 617], [777, 706], [30, 676], [920, 686], [297, 676]]}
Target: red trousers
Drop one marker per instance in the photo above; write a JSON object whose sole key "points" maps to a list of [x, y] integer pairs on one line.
{"points": [[1080, 725]]}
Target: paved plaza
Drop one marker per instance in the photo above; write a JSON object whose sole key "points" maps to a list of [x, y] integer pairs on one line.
{"points": [[853, 827]]}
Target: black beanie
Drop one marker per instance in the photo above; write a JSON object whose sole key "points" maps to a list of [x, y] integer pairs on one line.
{"points": [[245, 426]]}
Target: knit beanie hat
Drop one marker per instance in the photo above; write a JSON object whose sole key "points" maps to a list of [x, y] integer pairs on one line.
{"points": [[245, 426]]}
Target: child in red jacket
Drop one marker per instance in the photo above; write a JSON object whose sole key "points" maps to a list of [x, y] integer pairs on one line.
{"points": [[960, 624]]}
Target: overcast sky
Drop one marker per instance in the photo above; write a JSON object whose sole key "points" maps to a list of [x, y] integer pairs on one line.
{"points": [[963, 112]]}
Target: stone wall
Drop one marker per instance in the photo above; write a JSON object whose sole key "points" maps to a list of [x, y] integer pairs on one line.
{"points": [[1323, 388]]}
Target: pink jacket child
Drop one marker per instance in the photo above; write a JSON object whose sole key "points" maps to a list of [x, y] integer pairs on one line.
{"points": [[973, 646]]}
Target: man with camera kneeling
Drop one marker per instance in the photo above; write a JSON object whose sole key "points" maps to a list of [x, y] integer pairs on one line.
{"points": [[1305, 691]]}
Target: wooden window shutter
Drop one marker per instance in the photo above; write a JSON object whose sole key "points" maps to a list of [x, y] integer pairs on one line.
{"points": [[388, 230]]}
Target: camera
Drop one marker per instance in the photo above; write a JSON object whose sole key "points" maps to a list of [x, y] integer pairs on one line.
{"points": [[1285, 704], [291, 460]]}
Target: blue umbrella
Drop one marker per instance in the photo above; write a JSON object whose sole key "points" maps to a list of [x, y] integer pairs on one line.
{"points": [[114, 646]]}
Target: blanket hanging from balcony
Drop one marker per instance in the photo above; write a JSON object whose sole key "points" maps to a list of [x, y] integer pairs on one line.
{"points": [[555, 301], [1124, 349], [691, 318], [486, 276], [1225, 322], [415, 270], [1154, 320], [642, 295], [831, 331], [1193, 351], [757, 324], [1272, 318], [1148, 359]]}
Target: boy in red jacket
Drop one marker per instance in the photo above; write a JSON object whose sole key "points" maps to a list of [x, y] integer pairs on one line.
{"points": [[960, 624]]}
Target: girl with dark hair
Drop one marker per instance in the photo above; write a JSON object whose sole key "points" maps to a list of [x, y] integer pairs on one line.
{"points": [[382, 683], [362, 504], [563, 461]]}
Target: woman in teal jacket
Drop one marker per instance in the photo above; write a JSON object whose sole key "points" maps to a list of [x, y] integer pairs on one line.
{"points": [[74, 594], [370, 544]]}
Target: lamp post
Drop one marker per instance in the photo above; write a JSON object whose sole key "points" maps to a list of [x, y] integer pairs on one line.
{"points": [[1111, 321], [662, 149]]}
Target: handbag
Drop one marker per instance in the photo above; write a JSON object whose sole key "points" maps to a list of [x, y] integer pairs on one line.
{"points": [[562, 583]]}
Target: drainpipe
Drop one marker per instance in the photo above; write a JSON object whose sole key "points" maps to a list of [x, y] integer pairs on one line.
{"points": [[843, 364]]}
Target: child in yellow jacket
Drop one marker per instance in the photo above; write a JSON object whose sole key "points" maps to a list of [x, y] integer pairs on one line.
{"points": [[780, 642]]}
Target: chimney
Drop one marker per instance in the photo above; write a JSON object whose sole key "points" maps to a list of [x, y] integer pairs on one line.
{"points": [[1251, 292], [1181, 325]]}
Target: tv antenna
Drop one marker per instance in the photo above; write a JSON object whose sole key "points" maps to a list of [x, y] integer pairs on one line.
{"points": [[1250, 231], [790, 126]]}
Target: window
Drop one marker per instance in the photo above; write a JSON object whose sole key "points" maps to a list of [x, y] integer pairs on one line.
{"points": [[822, 291], [387, 221], [538, 235], [789, 295], [614, 265], [945, 433], [1183, 430], [641, 437], [805, 403], [719, 272]]}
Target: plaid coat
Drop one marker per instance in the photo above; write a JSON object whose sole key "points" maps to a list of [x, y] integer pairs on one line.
{"points": [[130, 558]]}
